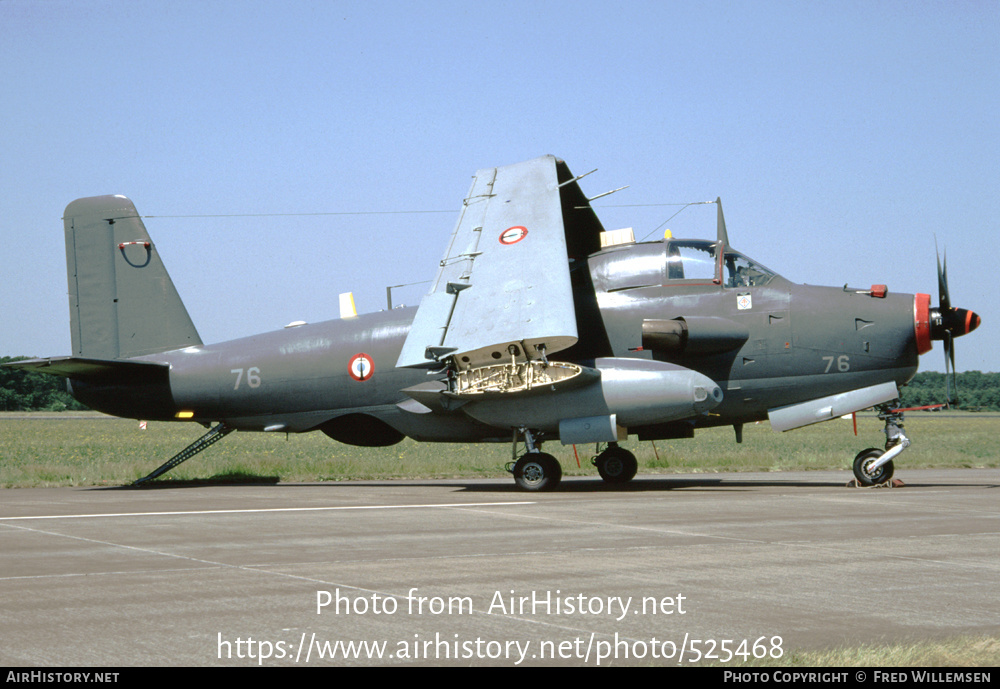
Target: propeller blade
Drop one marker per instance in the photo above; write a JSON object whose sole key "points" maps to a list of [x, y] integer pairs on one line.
{"points": [[954, 373], [949, 366], [947, 323], [944, 300]]}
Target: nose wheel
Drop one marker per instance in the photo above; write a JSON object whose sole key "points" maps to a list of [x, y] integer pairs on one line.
{"points": [[866, 471]]}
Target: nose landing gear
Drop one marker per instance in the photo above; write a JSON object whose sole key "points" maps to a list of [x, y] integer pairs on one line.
{"points": [[873, 466]]}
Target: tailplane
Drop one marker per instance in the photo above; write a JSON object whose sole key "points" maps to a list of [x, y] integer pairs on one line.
{"points": [[122, 301]]}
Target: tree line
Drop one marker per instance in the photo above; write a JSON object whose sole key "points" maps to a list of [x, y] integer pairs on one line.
{"points": [[977, 391], [974, 390]]}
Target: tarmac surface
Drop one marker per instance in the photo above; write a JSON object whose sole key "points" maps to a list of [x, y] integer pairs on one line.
{"points": [[667, 570]]}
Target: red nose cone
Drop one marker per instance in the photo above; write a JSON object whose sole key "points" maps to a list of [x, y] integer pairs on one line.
{"points": [[972, 321]]}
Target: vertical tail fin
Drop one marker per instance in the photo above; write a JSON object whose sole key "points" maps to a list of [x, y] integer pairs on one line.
{"points": [[122, 301]]}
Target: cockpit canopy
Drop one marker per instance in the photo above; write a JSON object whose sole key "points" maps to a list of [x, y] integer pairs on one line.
{"points": [[679, 261]]}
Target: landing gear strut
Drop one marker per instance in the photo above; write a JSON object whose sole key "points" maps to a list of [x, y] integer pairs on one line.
{"points": [[616, 464], [535, 470], [874, 466]]}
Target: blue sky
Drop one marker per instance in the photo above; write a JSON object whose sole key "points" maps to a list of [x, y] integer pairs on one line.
{"points": [[842, 137]]}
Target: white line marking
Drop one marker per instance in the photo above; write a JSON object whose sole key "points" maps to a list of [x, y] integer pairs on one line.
{"points": [[286, 575], [271, 509]]}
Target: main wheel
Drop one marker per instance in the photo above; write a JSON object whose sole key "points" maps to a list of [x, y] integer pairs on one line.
{"points": [[865, 475], [537, 471], [616, 465]]}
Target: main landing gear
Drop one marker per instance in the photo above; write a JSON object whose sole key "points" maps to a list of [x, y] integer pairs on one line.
{"points": [[874, 466], [539, 471], [616, 464], [535, 470]]}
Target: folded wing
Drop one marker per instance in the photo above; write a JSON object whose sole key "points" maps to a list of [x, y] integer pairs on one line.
{"points": [[503, 288]]}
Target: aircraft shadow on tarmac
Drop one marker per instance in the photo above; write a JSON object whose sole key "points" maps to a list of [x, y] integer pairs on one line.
{"points": [[568, 485]]}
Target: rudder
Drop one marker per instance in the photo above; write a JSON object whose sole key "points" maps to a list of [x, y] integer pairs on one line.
{"points": [[122, 301]]}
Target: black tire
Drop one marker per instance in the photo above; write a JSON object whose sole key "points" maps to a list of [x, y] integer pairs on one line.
{"points": [[537, 471], [870, 478], [617, 465]]}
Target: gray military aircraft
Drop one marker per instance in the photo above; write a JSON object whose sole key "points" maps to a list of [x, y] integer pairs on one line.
{"points": [[539, 325]]}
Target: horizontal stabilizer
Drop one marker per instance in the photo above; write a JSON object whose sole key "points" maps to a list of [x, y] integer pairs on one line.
{"points": [[93, 369]]}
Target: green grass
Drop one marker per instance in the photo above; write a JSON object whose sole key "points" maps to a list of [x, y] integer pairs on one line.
{"points": [[65, 450], [967, 652]]}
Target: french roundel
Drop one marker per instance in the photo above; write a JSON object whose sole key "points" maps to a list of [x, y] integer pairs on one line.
{"points": [[512, 235], [361, 367]]}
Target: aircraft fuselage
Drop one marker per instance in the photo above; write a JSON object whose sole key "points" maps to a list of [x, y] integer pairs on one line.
{"points": [[766, 345]]}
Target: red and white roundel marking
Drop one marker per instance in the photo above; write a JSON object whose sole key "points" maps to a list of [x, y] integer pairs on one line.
{"points": [[361, 367], [512, 235]]}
